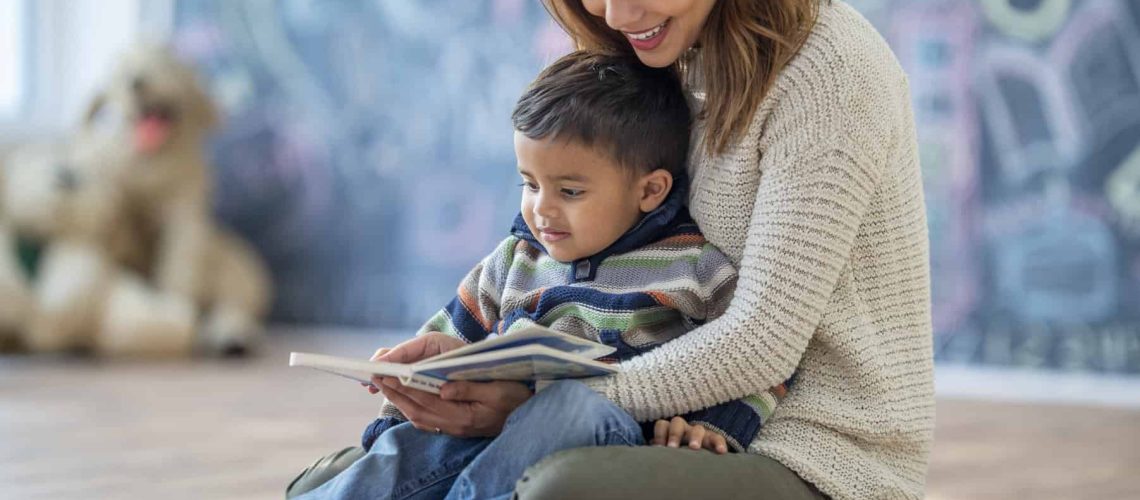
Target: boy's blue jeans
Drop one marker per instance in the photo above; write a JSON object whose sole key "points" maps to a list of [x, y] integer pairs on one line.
{"points": [[405, 462]]}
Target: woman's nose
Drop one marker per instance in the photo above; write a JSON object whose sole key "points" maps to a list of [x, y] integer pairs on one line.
{"points": [[624, 15]]}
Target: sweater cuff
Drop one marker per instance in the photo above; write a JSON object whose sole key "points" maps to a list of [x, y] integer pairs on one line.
{"points": [[736, 421], [600, 385], [375, 429]]}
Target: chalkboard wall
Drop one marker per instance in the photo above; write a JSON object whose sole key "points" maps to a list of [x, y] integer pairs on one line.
{"points": [[367, 153]]}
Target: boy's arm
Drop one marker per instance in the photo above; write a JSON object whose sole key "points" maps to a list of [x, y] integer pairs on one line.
{"points": [[470, 316]]}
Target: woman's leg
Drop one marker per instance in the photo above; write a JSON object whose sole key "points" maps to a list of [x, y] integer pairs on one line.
{"points": [[660, 473], [404, 462], [565, 415], [322, 470]]}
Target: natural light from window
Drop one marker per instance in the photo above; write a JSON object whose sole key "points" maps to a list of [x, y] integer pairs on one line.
{"points": [[11, 56]]}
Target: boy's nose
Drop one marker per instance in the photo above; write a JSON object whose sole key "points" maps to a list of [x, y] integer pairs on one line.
{"points": [[544, 208]]}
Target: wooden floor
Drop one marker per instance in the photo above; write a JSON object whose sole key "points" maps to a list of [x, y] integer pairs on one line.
{"points": [[214, 429]]}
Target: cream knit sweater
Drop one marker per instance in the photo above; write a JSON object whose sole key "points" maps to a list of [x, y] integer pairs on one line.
{"points": [[821, 208]]}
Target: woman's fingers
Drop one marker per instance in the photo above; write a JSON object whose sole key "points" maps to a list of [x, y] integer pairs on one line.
{"points": [[677, 428], [421, 347], [380, 352], [504, 396], [426, 400], [373, 387], [408, 351], [420, 417], [695, 436], [660, 432]]}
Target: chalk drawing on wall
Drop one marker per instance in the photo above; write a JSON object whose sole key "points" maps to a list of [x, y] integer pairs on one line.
{"points": [[1099, 54], [1032, 20], [1026, 108], [1123, 191], [1060, 267]]}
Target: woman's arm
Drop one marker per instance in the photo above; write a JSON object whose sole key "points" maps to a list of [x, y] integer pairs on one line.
{"points": [[803, 224]]}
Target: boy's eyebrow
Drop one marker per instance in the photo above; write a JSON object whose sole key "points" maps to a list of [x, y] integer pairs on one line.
{"points": [[566, 177], [572, 177]]}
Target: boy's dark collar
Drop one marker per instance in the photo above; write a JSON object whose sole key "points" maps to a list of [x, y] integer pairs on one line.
{"points": [[652, 227]]}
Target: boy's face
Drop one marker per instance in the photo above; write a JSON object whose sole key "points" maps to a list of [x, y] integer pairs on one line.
{"points": [[577, 200]]}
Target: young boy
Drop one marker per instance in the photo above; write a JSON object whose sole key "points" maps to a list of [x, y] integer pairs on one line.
{"points": [[603, 248]]}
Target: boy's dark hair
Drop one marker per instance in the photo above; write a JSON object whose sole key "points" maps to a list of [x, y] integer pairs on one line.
{"points": [[635, 113]]}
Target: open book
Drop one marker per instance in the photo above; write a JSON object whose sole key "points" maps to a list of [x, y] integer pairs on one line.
{"points": [[530, 353]]}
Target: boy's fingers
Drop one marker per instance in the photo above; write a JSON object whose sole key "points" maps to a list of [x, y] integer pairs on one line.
{"points": [[676, 431], [717, 443], [380, 352], [660, 432], [696, 436]]}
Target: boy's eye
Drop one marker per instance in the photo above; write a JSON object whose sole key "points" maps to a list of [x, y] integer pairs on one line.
{"points": [[529, 186], [573, 193]]}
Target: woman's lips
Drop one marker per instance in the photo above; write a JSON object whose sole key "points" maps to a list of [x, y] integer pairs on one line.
{"points": [[648, 39]]}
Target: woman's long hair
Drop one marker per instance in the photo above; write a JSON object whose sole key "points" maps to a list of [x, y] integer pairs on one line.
{"points": [[743, 46]]}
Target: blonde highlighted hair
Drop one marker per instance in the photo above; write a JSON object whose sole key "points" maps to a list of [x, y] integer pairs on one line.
{"points": [[743, 46]]}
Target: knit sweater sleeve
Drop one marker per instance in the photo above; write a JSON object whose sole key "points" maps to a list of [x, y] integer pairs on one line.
{"points": [[739, 420], [810, 201]]}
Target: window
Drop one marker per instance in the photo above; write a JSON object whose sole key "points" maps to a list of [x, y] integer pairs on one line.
{"points": [[13, 60], [54, 54]]}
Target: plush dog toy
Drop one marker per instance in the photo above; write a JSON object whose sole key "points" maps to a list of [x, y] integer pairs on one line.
{"points": [[61, 241], [148, 125]]}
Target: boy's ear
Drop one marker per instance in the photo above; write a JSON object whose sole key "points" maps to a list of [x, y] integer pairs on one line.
{"points": [[654, 188]]}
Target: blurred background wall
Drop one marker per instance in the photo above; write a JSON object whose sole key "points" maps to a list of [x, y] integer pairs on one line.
{"points": [[367, 154], [368, 150]]}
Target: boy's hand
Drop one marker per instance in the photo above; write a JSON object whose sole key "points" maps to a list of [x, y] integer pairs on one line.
{"points": [[673, 432]]}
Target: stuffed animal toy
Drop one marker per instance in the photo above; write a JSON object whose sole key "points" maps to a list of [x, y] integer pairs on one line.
{"points": [[61, 241], [148, 125]]}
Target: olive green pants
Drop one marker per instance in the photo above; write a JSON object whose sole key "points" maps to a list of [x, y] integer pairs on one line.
{"points": [[625, 473], [660, 473]]}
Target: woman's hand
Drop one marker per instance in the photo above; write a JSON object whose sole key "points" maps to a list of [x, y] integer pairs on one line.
{"points": [[421, 347], [462, 409], [673, 432]]}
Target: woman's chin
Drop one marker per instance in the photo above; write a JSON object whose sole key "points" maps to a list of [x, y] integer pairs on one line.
{"points": [[660, 56], [656, 58]]}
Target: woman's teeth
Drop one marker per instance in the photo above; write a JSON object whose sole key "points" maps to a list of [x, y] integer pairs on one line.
{"points": [[646, 35]]}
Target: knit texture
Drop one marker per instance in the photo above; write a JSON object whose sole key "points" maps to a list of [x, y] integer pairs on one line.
{"points": [[821, 207], [658, 281]]}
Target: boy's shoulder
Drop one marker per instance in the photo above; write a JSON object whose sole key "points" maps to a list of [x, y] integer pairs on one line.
{"points": [[680, 233]]}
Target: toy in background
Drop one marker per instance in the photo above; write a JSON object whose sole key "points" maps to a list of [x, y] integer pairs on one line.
{"points": [[136, 179], [150, 122], [63, 286]]}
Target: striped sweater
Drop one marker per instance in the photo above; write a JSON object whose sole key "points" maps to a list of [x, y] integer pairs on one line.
{"points": [[658, 281]]}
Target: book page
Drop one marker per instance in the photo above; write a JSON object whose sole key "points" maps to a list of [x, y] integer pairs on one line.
{"points": [[531, 335]]}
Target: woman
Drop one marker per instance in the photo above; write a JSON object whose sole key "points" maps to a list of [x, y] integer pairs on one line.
{"points": [[808, 179], [805, 173]]}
